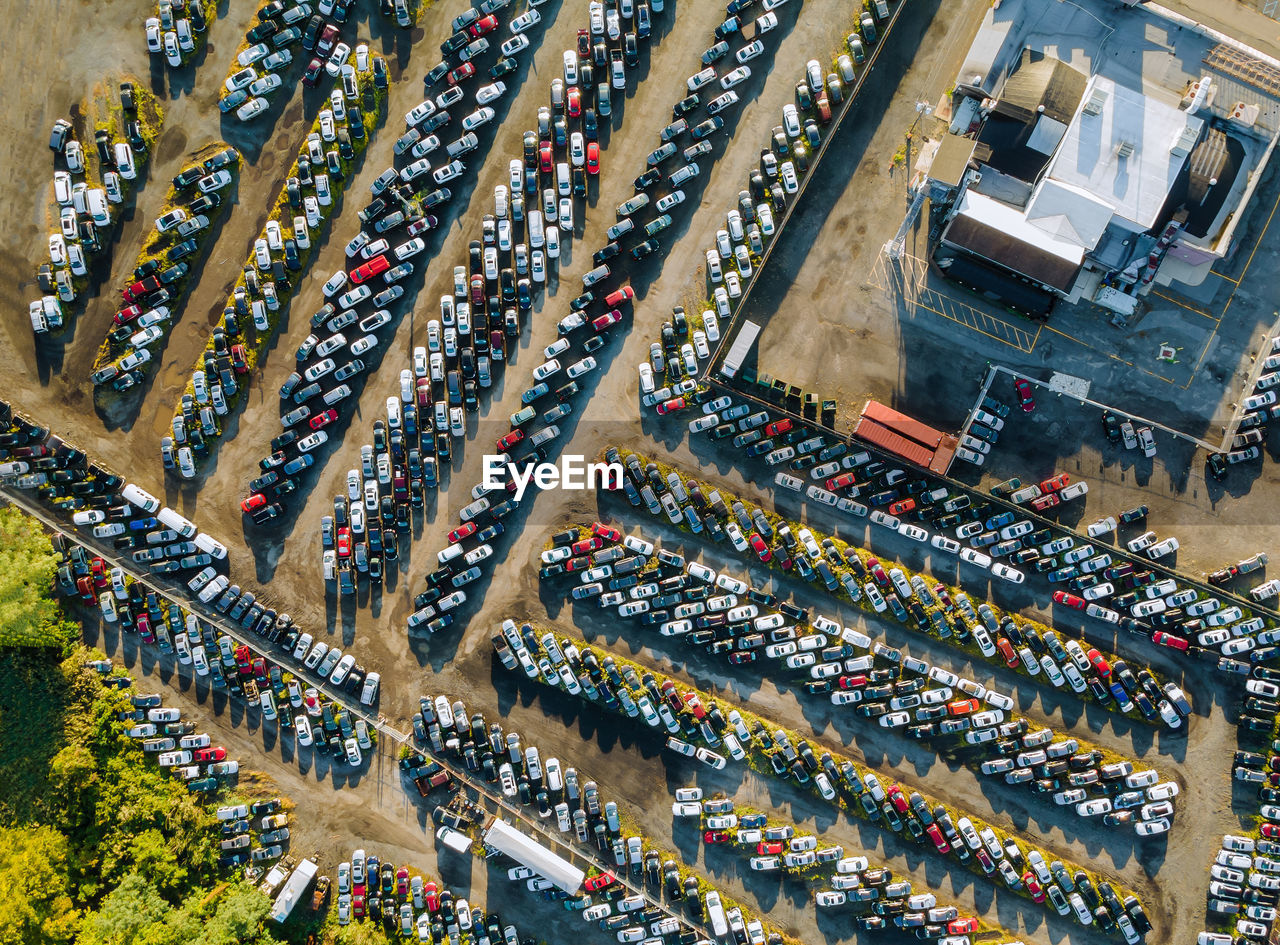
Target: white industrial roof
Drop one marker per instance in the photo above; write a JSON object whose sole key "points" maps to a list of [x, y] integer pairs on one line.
{"points": [[1119, 147], [1069, 213], [528, 852], [1010, 221]]}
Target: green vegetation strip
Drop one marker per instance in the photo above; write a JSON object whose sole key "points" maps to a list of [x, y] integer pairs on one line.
{"points": [[969, 648], [758, 760], [99, 845], [372, 104], [955, 747], [154, 249]]}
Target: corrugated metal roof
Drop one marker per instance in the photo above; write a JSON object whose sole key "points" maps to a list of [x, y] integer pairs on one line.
{"points": [[899, 422], [1042, 84], [867, 429]]}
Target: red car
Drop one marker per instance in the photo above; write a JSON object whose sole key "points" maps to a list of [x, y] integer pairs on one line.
{"points": [[510, 440], [760, 548], [768, 848], [939, 841], [1033, 887], [607, 532], [545, 158], [1169, 640], [431, 896], [1100, 665], [486, 24], [573, 101], [1046, 502], [587, 545], [324, 419], [1070, 600], [836, 482], [357, 906], [611, 317], [328, 39], [902, 506], [376, 265], [85, 586], [584, 43], [1023, 387], [424, 392], [618, 296], [139, 289], [144, 629], [314, 69], [344, 543], [593, 158], [255, 501], [596, 883], [715, 836], [877, 572], [210, 754], [1007, 651], [477, 290], [580, 563], [778, 427], [897, 799], [1054, 483], [962, 926], [695, 705], [852, 682], [1271, 831], [669, 406], [239, 359], [463, 72], [98, 571], [402, 881], [126, 314], [466, 531]]}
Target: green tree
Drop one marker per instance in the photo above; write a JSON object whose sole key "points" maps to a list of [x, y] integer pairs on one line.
{"points": [[36, 906], [126, 914], [239, 916], [73, 777], [29, 614]]}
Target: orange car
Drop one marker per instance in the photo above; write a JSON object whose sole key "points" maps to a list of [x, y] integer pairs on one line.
{"points": [[963, 706], [902, 506], [1007, 651], [1054, 483]]}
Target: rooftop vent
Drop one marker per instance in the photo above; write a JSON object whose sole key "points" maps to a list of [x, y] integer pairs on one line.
{"points": [[1097, 101]]}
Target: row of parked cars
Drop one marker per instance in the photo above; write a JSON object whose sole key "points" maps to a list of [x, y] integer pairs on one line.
{"points": [[1259, 408], [223, 662], [84, 212], [775, 846], [580, 326], [865, 579], [750, 226], [256, 74], [371, 889], [881, 682], [156, 291], [558, 792], [831, 778], [238, 824], [177, 30], [279, 256], [1115, 592], [457, 362]]}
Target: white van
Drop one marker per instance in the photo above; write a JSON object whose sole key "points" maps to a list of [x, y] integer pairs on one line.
{"points": [[141, 498], [715, 912], [96, 203], [171, 519], [210, 546]]}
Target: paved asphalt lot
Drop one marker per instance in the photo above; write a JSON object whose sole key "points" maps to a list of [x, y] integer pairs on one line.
{"points": [[337, 810]]}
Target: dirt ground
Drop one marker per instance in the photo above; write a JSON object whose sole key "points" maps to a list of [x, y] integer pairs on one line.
{"points": [[338, 811]]}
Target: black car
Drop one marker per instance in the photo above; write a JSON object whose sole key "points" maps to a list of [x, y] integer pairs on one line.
{"points": [[127, 100], [185, 248], [264, 30], [435, 75], [647, 179], [204, 203], [647, 248], [291, 260], [380, 78]]}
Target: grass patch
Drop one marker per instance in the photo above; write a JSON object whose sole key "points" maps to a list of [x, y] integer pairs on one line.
{"points": [[371, 103], [758, 759], [969, 647]]}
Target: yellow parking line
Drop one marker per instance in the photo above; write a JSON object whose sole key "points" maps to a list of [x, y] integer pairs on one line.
{"points": [[1189, 308], [1224, 276]]}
